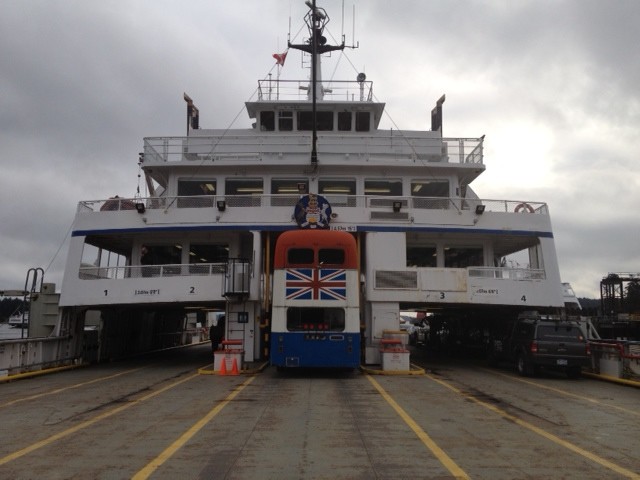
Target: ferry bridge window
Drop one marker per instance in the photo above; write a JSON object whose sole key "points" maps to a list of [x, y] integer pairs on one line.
{"points": [[339, 192], [422, 256], [331, 256], [267, 121], [300, 256], [201, 256], [288, 190], [196, 188], [344, 121], [430, 188], [300, 319], [245, 188], [324, 121], [462, 257], [363, 121], [285, 121]]}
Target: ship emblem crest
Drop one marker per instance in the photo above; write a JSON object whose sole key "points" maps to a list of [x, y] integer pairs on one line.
{"points": [[312, 211]]}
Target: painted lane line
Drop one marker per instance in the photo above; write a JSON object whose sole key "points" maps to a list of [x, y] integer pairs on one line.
{"points": [[543, 433], [65, 433], [563, 392], [77, 385], [152, 466], [444, 459]]}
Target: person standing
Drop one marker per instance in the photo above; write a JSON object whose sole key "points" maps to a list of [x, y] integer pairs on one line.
{"points": [[216, 333]]}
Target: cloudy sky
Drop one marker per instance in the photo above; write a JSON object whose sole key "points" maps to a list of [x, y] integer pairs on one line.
{"points": [[554, 85]]}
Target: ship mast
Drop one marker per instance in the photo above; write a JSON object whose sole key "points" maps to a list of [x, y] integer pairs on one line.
{"points": [[316, 19]]}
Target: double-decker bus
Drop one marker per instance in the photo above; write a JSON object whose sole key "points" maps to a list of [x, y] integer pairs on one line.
{"points": [[315, 318]]}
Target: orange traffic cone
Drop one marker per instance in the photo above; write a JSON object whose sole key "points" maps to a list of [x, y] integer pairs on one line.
{"points": [[223, 366], [234, 367]]}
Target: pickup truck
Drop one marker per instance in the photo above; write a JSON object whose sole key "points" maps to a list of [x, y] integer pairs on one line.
{"points": [[537, 341]]}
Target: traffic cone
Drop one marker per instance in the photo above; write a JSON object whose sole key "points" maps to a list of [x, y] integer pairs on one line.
{"points": [[234, 367], [223, 366]]}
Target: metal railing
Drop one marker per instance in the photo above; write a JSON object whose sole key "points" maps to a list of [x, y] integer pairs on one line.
{"points": [[337, 90], [333, 146], [140, 271], [356, 201], [503, 273]]}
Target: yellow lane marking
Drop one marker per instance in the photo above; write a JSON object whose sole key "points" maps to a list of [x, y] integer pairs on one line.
{"points": [[563, 392], [152, 466], [65, 433], [543, 433], [77, 385], [448, 463], [46, 371]]}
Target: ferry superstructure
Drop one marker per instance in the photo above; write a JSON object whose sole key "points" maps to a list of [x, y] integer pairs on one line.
{"points": [[203, 238]]}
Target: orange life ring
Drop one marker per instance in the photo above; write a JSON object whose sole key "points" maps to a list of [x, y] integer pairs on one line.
{"points": [[523, 207]]}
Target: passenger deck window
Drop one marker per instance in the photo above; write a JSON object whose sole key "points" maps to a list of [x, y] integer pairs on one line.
{"points": [[463, 257], [430, 188], [422, 256], [287, 191], [383, 187], [243, 186], [339, 191], [196, 188], [289, 186], [248, 191], [208, 253]]}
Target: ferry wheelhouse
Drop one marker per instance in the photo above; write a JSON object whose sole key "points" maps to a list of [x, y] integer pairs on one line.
{"points": [[204, 238]]}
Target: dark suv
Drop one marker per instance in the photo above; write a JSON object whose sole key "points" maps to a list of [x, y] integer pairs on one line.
{"points": [[540, 341]]}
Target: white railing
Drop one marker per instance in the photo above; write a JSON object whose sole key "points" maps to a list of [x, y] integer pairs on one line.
{"points": [[337, 90], [359, 201], [502, 273], [139, 271], [253, 147]]}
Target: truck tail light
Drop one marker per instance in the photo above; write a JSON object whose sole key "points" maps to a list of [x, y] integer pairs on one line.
{"points": [[588, 348], [534, 347]]}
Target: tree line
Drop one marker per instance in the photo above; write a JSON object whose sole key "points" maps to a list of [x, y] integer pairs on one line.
{"points": [[10, 306]]}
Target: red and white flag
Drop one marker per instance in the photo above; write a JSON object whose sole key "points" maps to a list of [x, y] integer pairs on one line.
{"points": [[280, 58]]}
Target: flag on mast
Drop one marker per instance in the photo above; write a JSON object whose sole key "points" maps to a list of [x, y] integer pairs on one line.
{"points": [[280, 58]]}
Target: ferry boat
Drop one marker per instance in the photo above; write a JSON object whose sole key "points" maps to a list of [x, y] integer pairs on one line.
{"points": [[204, 238]]}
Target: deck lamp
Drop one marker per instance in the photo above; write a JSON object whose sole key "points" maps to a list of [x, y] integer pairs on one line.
{"points": [[222, 205], [397, 205], [140, 207], [479, 209]]}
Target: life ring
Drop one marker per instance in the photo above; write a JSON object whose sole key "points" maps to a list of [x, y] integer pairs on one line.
{"points": [[523, 207]]}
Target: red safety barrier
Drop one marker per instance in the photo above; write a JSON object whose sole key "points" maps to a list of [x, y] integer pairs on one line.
{"points": [[615, 346]]}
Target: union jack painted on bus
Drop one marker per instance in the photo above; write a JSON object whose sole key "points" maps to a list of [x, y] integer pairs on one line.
{"points": [[316, 284]]}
